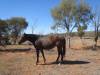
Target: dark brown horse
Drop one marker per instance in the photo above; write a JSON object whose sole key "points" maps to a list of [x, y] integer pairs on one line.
{"points": [[46, 42]]}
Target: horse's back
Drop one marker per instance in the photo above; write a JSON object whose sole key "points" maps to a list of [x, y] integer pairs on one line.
{"points": [[44, 43], [49, 42]]}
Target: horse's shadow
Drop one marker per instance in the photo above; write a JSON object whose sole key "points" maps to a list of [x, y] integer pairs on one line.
{"points": [[69, 62]]}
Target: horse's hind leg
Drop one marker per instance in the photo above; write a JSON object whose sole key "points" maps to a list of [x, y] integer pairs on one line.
{"points": [[59, 52], [37, 52], [43, 55], [62, 56]]}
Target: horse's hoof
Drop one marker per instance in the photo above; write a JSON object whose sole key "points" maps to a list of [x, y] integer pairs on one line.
{"points": [[44, 61], [37, 63], [59, 64]]}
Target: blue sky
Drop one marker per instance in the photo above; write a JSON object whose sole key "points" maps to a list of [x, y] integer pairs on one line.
{"points": [[36, 12]]}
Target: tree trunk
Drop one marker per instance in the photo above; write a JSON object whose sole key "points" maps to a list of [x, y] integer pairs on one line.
{"points": [[96, 39], [69, 42], [82, 41], [96, 36]]}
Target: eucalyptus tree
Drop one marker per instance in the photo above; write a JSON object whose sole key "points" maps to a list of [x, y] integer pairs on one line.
{"points": [[11, 28], [70, 14], [3, 31], [63, 16], [96, 25], [16, 26]]}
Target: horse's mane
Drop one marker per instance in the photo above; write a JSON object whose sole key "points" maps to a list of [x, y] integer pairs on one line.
{"points": [[34, 35]]}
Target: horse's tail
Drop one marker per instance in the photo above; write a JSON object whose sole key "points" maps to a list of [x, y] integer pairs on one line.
{"points": [[64, 47]]}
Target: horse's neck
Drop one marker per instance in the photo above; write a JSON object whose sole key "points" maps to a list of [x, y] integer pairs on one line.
{"points": [[33, 39]]}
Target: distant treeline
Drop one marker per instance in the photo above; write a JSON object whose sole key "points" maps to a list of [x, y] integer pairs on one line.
{"points": [[73, 34], [7, 40]]}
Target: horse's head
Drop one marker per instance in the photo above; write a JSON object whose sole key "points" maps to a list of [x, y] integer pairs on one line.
{"points": [[23, 38]]}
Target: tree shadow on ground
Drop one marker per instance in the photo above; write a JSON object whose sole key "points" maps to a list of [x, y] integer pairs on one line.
{"points": [[69, 62], [16, 50]]}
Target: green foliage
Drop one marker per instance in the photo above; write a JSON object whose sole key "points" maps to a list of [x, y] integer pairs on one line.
{"points": [[70, 14], [63, 14], [2, 23], [18, 21], [3, 26], [81, 30], [83, 13], [16, 25], [56, 13], [12, 27]]}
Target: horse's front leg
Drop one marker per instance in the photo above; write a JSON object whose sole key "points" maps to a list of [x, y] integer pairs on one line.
{"points": [[43, 56], [37, 52]]}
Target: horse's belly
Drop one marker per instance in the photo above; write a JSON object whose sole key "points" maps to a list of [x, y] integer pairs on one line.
{"points": [[48, 46], [45, 44]]}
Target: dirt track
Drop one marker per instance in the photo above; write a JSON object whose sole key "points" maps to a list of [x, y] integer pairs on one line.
{"points": [[77, 62]]}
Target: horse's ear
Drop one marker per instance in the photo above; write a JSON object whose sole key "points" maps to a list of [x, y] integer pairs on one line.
{"points": [[24, 33]]}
